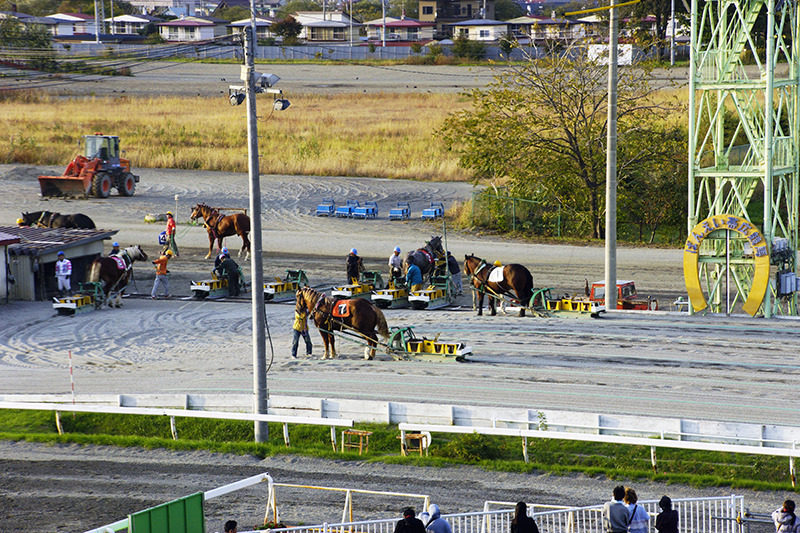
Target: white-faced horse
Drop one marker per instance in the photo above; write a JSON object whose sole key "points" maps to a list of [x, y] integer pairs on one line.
{"points": [[116, 272]]}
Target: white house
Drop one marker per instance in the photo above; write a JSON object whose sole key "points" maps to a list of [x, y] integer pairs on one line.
{"points": [[74, 24], [262, 27], [330, 26], [480, 29], [129, 24], [405, 29], [192, 29]]}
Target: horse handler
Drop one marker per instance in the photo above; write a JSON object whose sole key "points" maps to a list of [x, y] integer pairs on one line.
{"points": [[171, 230], [300, 328], [414, 277], [161, 274]]}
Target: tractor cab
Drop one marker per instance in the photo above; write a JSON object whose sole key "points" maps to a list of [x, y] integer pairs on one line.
{"points": [[103, 147], [626, 296]]}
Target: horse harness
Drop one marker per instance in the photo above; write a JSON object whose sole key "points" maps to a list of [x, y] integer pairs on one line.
{"points": [[484, 283], [213, 228]]}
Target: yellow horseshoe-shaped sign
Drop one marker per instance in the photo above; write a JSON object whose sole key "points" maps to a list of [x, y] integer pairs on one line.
{"points": [[691, 273]]}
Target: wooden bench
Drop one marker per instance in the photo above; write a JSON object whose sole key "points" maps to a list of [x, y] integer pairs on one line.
{"points": [[349, 442]]}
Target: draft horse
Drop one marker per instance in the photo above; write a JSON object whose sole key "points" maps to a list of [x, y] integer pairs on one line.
{"points": [[47, 219], [357, 317], [516, 280], [116, 275], [220, 226], [425, 257]]}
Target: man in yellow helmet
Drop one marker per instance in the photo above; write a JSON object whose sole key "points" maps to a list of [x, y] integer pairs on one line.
{"points": [[161, 274]]}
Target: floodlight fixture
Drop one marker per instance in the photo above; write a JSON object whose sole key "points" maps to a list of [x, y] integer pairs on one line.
{"points": [[266, 80], [280, 104]]}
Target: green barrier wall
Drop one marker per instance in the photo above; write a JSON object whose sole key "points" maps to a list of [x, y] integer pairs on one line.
{"points": [[180, 516]]}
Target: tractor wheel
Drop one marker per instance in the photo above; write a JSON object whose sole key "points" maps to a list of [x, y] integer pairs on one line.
{"points": [[101, 185], [126, 184]]}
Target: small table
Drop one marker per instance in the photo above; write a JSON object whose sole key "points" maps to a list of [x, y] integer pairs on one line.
{"points": [[363, 440], [414, 442]]}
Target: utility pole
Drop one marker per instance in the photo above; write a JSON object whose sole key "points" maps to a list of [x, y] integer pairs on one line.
{"points": [[611, 164], [260, 392]]}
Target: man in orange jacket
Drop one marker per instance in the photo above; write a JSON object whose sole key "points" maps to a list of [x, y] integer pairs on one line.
{"points": [[161, 274]]}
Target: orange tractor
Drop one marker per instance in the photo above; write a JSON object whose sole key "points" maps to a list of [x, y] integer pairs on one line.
{"points": [[95, 173]]}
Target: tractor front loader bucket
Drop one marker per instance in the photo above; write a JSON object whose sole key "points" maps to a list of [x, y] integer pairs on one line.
{"points": [[75, 186]]}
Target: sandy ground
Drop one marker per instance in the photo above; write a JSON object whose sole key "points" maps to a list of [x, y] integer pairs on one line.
{"points": [[736, 369]]}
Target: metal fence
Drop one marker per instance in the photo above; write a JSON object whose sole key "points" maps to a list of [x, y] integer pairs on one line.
{"points": [[698, 515]]}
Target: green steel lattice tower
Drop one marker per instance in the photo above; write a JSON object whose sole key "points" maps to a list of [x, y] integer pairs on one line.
{"points": [[757, 147]]}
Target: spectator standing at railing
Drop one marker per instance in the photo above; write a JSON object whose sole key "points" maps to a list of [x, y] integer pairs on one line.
{"points": [[784, 518], [639, 521], [522, 523], [437, 524], [409, 523], [667, 519], [615, 514]]}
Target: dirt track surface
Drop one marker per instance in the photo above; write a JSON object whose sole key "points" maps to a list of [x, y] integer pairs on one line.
{"points": [[736, 369]]}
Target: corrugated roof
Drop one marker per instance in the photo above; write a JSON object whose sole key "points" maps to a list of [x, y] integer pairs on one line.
{"points": [[38, 241], [7, 238]]}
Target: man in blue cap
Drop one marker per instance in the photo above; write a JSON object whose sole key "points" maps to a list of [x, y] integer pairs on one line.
{"points": [[221, 257], [396, 264], [354, 266], [114, 249]]}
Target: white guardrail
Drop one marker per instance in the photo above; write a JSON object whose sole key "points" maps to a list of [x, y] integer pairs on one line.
{"points": [[698, 515], [754, 439], [173, 413]]}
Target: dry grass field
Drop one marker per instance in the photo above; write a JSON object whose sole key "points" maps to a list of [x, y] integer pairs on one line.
{"points": [[373, 135]]}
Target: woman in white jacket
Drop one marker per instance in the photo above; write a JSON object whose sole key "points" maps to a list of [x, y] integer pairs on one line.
{"points": [[784, 518]]}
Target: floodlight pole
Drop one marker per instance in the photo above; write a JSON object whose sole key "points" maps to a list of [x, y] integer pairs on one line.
{"points": [[260, 392], [611, 164]]}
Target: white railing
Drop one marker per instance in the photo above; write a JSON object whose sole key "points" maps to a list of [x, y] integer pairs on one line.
{"points": [[698, 515], [173, 413], [792, 453]]}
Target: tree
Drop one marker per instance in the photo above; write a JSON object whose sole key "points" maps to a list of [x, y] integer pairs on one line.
{"points": [[367, 10], [542, 126], [507, 10], [293, 6], [287, 28], [233, 13], [34, 39], [661, 10]]}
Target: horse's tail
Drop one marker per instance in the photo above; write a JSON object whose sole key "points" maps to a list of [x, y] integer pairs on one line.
{"points": [[94, 275], [383, 327]]}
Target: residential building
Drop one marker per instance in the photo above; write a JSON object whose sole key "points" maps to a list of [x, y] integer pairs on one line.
{"points": [[445, 13], [403, 29], [189, 29], [74, 24], [330, 26], [263, 25], [480, 29], [541, 29], [129, 24]]}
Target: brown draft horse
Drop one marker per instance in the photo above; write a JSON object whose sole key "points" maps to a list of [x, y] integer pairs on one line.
{"points": [[516, 278], [220, 226], [115, 279], [362, 317]]}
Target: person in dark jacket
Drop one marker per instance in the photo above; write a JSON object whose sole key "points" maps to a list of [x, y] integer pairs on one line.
{"points": [[522, 523], [230, 269], [409, 523], [667, 519], [354, 266], [455, 272]]}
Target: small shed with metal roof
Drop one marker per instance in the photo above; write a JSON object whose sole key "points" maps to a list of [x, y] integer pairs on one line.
{"points": [[6, 240], [31, 261]]}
